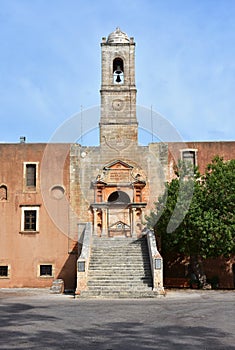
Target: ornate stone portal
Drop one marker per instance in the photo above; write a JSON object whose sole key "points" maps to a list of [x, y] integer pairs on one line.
{"points": [[118, 204]]}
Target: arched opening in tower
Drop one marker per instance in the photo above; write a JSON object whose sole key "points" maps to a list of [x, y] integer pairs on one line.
{"points": [[118, 71]]}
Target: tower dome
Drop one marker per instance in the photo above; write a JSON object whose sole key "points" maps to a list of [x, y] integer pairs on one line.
{"points": [[118, 37]]}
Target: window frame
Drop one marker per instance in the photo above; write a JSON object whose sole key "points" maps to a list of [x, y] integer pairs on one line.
{"points": [[25, 186], [8, 271], [194, 150], [46, 276], [22, 224]]}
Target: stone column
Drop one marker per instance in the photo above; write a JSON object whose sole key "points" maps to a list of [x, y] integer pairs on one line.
{"points": [[95, 221], [133, 222], [104, 222]]}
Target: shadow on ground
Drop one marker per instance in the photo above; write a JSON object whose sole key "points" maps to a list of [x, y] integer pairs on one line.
{"points": [[24, 326]]}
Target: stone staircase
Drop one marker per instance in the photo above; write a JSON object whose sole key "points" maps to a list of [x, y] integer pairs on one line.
{"points": [[119, 267]]}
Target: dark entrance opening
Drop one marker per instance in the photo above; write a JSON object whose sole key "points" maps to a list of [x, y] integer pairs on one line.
{"points": [[119, 197]]}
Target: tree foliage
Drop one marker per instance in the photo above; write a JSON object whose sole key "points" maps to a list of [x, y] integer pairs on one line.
{"points": [[207, 228]]}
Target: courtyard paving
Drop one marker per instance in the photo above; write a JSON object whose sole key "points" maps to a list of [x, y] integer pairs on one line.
{"points": [[184, 319]]}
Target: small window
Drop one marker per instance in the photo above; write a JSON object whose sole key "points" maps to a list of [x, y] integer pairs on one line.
{"points": [[46, 270], [30, 219], [31, 175], [4, 271], [3, 193], [189, 157]]}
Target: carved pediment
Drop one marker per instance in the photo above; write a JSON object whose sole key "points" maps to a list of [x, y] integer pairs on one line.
{"points": [[119, 225], [118, 165], [118, 172]]}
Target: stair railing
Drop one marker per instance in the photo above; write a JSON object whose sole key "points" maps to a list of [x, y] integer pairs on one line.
{"points": [[83, 261], [156, 262]]}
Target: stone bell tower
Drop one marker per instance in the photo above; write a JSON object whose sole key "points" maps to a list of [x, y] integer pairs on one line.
{"points": [[118, 121]]}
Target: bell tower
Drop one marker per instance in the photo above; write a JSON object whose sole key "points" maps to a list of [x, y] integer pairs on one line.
{"points": [[118, 121]]}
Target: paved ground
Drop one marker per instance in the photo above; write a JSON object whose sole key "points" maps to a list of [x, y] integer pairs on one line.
{"points": [[36, 319]]}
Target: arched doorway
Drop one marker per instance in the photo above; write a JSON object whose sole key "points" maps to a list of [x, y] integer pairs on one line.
{"points": [[119, 221], [119, 197]]}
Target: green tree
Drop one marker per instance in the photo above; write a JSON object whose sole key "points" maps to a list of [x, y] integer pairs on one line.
{"points": [[195, 215]]}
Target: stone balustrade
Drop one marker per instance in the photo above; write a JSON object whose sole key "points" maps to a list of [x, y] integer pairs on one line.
{"points": [[156, 263], [84, 258]]}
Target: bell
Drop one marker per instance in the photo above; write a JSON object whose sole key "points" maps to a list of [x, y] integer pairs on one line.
{"points": [[118, 70], [118, 80]]}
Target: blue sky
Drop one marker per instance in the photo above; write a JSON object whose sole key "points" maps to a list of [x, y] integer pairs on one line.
{"points": [[50, 62]]}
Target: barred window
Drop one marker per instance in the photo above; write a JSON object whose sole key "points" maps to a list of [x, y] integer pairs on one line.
{"points": [[30, 219]]}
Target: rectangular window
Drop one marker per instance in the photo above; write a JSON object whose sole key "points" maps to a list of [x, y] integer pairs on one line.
{"points": [[46, 270], [4, 271], [189, 156], [31, 175], [30, 219]]}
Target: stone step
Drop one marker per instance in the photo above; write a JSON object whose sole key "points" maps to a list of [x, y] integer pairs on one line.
{"points": [[121, 284], [120, 258], [128, 270], [126, 247], [115, 287], [120, 254], [118, 251], [117, 272], [129, 290], [114, 244], [138, 284], [125, 277], [120, 279], [119, 294], [117, 256], [117, 243], [117, 246], [110, 276], [119, 267]]}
